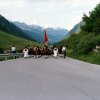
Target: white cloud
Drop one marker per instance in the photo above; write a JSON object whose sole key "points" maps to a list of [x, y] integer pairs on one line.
{"points": [[56, 13], [11, 3]]}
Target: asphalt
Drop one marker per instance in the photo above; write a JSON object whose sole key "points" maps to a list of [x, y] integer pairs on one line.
{"points": [[49, 79]]}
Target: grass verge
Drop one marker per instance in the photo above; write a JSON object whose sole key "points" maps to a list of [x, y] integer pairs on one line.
{"points": [[93, 57]]}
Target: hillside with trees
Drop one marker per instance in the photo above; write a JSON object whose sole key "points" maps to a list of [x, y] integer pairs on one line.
{"points": [[82, 45], [10, 35]]}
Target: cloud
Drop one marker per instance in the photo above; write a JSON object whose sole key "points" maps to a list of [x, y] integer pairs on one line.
{"points": [[11, 3], [56, 13]]}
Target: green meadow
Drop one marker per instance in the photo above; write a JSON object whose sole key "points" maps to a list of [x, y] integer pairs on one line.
{"points": [[7, 40]]}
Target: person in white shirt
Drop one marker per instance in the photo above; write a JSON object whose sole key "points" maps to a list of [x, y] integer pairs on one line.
{"points": [[64, 51], [13, 49], [25, 51], [55, 51]]}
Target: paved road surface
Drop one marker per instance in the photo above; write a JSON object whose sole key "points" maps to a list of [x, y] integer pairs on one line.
{"points": [[49, 79]]}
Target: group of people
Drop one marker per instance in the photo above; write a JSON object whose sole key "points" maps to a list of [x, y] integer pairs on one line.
{"points": [[45, 51]]}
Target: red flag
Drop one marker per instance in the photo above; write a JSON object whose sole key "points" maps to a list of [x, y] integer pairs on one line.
{"points": [[45, 37]]}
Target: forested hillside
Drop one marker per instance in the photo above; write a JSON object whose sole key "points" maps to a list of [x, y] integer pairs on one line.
{"points": [[81, 45]]}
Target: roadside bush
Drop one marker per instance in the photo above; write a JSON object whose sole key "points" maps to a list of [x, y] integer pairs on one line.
{"points": [[88, 43], [1, 50]]}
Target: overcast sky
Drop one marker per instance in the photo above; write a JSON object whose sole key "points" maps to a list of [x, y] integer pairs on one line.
{"points": [[47, 13]]}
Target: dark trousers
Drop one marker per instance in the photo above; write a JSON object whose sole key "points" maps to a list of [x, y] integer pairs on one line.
{"points": [[13, 51], [64, 54]]}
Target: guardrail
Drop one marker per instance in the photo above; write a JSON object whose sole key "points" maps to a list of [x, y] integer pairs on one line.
{"points": [[10, 56]]}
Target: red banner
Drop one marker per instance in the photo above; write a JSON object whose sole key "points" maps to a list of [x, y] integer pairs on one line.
{"points": [[45, 37]]}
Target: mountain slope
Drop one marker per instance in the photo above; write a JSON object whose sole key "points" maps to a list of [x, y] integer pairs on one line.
{"points": [[76, 29], [36, 32], [56, 34], [9, 27], [7, 40]]}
